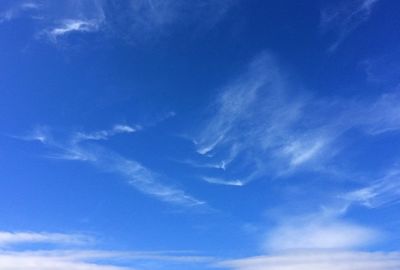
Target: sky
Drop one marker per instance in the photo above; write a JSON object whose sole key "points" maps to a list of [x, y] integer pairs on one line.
{"points": [[202, 134]]}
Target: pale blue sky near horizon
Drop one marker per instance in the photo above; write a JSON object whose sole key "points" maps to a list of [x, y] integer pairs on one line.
{"points": [[171, 134]]}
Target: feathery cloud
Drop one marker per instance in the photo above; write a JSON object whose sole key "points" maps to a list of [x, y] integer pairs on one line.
{"points": [[262, 125], [137, 175], [12, 238], [380, 192], [317, 260], [132, 19], [319, 234], [13, 255], [344, 18]]}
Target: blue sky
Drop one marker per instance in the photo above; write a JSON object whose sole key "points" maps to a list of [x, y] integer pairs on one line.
{"points": [[171, 134]]}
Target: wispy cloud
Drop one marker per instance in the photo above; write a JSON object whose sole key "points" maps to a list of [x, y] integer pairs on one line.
{"points": [[345, 17], [257, 118], [146, 19], [317, 260], [318, 234], [18, 9], [70, 26], [261, 124], [137, 175], [16, 257], [105, 134], [380, 192], [13, 238], [132, 20], [219, 181]]}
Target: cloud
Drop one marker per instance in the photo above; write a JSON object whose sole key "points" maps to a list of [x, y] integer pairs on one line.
{"points": [[130, 20], [18, 9], [105, 134], [12, 238], [383, 115], [380, 192], [16, 257], [146, 19], [259, 124], [319, 234], [263, 124], [345, 17], [219, 181], [137, 175], [317, 260], [70, 26]]}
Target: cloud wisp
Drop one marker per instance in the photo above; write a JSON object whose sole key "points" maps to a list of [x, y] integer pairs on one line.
{"points": [[60, 256], [317, 260], [69, 26], [345, 18], [383, 191], [318, 241], [130, 20], [14, 238], [262, 125], [19, 9], [317, 233], [136, 175]]}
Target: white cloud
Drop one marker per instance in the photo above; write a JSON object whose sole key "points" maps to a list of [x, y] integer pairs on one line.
{"points": [[383, 115], [132, 20], [19, 9], [12, 238], [72, 25], [146, 19], [105, 134], [259, 118], [13, 255], [219, 181], [380, 192], [319, 234], [317, 260], [262, 125], [137, 175], [29, 261], [345, 17]]}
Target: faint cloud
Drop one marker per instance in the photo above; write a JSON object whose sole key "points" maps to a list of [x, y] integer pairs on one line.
{"points": [[319, 234], [130, 20], [380, 192], [19, 9], [318, 260], [137, 175], [70, 26], [345, 17], [144, 19], [13, 238], [219, 181], [105, 134], [261, 124], [382, 115], [13, 255]]}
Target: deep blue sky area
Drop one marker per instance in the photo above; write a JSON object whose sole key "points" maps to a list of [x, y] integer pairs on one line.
{"points": [[171, 134]]}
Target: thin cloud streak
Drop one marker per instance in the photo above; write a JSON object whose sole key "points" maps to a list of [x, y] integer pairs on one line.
{"points": [[381, 192], [13, 255], [132, 20], [13, 238], [135, 174], [319, 234], [70, 26], [219, 181], [343, 19], [318, 260], [260, 123]]}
